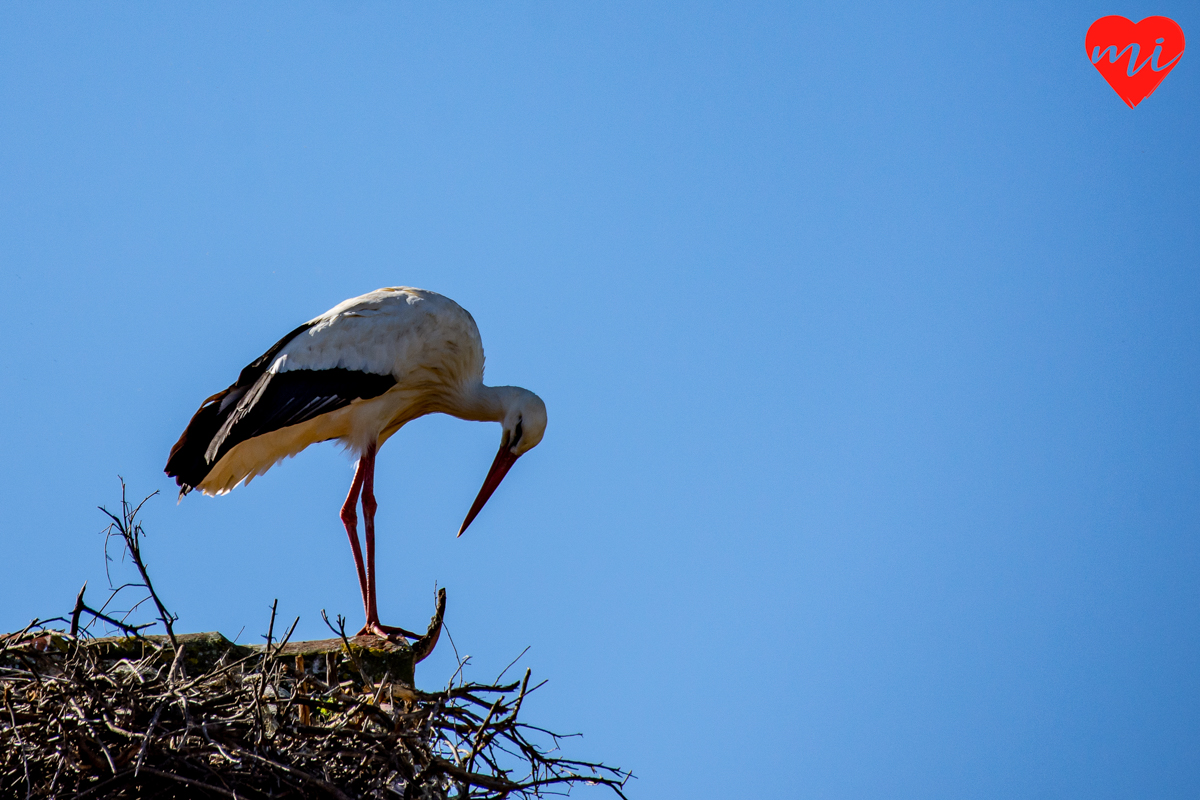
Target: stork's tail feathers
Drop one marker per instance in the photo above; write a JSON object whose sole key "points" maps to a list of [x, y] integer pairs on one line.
{"points": [[187, 463]]}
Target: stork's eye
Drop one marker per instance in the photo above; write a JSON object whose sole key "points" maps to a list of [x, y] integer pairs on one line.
{"points": [[516, 436]]}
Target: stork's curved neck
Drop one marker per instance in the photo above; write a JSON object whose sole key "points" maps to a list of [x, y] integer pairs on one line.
{"points": [[487, 403]]}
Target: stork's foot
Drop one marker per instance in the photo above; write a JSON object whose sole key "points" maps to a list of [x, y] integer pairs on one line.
{"points": [[424, 644], [385, 631]]}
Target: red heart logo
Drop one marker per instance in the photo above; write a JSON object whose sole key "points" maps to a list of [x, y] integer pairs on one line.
{"points": [[1134, 59]]}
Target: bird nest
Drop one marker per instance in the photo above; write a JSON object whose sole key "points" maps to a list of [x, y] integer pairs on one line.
{"points": [[78, 724], [194, 715]]}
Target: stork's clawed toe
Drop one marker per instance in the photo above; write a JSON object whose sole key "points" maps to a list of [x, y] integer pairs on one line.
{"points": [[388, 632]]}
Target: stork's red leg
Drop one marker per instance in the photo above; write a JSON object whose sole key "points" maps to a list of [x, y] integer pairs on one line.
{"points": [[369, 506], [366, 468], [350, 520]]}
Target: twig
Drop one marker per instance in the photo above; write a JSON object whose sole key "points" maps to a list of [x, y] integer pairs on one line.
{"points": [[132, 630], [131, 532], [424, 646], [271, 627], [78, 609], [146, 739], [340, 630], [510, 664]]}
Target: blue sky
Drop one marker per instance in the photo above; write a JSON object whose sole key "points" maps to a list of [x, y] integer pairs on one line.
{"points": [[868, 336]]}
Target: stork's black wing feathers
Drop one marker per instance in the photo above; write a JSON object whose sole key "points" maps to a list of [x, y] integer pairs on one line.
{"points": [[280, 399], [260, 402]]}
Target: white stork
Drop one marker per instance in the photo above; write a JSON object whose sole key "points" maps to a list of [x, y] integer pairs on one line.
{"points": [[356, 374]]}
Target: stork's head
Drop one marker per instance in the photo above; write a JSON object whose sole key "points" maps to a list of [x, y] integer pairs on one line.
{"points": [[524, 425]]}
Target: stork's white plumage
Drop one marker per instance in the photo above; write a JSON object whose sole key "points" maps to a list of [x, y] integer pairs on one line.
{"points": [[356, 374]]}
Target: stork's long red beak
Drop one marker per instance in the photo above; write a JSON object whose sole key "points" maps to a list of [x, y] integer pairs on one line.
{"points": [[500, 467]]}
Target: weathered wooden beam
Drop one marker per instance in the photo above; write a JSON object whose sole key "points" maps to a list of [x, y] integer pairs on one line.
{"points": [[374, 655], [365, 659]]}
